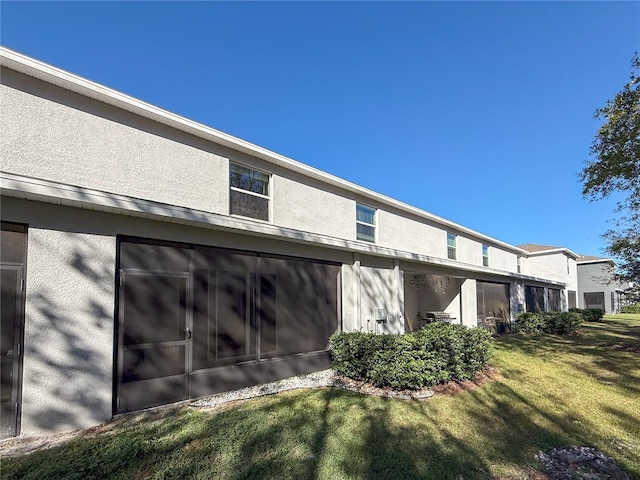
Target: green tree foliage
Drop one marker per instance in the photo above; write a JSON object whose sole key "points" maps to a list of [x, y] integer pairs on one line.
{"points": [[616, 168]]}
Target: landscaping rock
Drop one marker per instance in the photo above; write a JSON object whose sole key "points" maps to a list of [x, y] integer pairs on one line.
{"points": [[325, 378], [580, 463]]}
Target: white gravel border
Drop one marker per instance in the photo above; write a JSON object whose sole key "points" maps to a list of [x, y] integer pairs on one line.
{"points": [[324, 378]]}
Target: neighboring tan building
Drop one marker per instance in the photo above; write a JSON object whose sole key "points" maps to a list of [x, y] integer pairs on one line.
{"points": [[148, 259]]}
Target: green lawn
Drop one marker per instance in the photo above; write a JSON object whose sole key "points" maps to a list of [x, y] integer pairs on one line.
{"points": [[554, 391]]}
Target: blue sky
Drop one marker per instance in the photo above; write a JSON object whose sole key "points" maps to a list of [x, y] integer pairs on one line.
{"points": [[478, 112]]}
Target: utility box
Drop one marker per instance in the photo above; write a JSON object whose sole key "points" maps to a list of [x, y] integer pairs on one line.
{"points": [[380, 315]]}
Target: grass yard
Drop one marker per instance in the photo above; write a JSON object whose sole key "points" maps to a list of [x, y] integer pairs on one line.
{"points": [[554, 391]]}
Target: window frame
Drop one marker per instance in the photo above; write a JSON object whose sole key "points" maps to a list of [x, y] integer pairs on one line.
{"points": [[485, 255], [452, 250], [372, 225], [243, 191]]}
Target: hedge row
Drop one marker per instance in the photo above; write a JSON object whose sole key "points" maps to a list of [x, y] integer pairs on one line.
{"points": [[437, 353], [630, 308], [589, 314], [556, 323]]}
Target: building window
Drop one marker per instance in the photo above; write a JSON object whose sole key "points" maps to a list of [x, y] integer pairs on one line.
{"points": [[451, 246], [519, 264], [485, 255], [365, 223], [249, 195]]}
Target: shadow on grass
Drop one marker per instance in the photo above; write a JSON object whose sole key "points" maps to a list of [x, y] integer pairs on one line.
{"points": [[490, 432], [318, 434], [597, 345]]}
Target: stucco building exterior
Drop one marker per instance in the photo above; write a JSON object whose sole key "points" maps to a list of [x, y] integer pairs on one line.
{"points": [[148, 259], [596, 285]]}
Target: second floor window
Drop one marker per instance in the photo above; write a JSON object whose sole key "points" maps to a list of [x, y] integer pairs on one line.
{"points": [[451, 246], [485, 255], [365, 223], [249, 192]]}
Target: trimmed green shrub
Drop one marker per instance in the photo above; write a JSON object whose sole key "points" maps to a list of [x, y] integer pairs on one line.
{"points": [[561, 323], [589, 314], [592, 314], [556, 323], [529, 323], [437, 353], [630, 308]]}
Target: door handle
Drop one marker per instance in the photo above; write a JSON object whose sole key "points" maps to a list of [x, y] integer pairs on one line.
{"points": [[188, 332]]}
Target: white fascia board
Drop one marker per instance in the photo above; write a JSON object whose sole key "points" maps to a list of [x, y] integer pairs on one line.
{"points": [[40, 190], [602, 260], [50, 74], [555, 250]]}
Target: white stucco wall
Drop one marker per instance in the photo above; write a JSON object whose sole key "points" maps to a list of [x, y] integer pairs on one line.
{"points": [[303, 207], [68, 340], [45, 139], [469, 302], [349, 298], [395, 231], [593, 278], [378, 290], [64, 137], [469, 250], [553, 266], [502, 260]]}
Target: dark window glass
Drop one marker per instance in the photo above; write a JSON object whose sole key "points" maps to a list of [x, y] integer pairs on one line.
{"points": [[366, 232], [451, 246], [248, 179], [365, 214], [365, 223], [249, 205]]}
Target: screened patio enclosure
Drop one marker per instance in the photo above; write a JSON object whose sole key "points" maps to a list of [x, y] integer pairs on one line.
{"points": [[493, 306], [199, 320], [425, 292], [541, 299]]}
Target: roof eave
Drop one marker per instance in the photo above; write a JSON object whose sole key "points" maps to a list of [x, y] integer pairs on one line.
{"points": [[53, 75]]}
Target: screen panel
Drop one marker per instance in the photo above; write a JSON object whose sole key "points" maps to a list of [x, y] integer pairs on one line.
{"points": [[493, 303], [534, 298]]}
